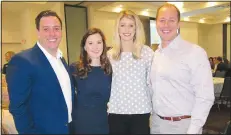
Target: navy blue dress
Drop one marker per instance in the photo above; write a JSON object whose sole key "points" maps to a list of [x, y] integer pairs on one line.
{"points": [[90, 106]]}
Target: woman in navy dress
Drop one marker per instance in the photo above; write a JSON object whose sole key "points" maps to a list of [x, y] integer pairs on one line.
{"points": [[92, 79]]}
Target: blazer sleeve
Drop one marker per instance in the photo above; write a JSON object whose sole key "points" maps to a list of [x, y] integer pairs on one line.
{"points": [[4, 69], [19, 81]]}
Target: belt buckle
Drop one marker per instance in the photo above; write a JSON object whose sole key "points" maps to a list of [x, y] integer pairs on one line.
{"points": [[172, 119]]}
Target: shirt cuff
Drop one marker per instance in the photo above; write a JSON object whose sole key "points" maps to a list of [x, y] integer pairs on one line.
{"points": [[193, 129]]}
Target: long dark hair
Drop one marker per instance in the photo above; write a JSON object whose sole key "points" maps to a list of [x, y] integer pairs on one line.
{"points": [[83, 67]]}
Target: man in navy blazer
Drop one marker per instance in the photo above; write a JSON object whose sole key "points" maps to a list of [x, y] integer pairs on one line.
{"points": [[40, 89]]}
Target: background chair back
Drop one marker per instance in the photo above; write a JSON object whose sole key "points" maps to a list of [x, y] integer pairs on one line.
{"points": [[220, 74]]}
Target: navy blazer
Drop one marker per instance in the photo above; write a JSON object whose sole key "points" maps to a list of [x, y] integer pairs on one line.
{"points": [[36, 99]]}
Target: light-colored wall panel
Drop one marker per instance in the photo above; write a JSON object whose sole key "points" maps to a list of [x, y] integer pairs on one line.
{"points": [[104, 21], [210, 38], [228, 42], [214, 45], [11, 31], [76, 27], [189, 31]]}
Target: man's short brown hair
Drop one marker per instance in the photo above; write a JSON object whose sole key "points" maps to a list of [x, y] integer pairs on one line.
{"points": [[46, 13]]}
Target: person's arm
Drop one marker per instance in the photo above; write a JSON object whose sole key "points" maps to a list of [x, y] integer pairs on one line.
{"points": [[202, 83], [149, 66], [19, 83]]}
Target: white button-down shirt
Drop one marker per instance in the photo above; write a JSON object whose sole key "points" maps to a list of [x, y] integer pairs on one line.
{"points": [[63, 77], [182, 82]]}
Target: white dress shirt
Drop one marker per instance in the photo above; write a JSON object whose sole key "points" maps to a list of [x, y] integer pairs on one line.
{"points": [[130, 90], [63, 77], [182, 82]]}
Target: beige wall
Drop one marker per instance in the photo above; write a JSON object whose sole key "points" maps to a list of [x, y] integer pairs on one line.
{"points": [[17, 27], [203, 36], [210, 38], [228, 42], [11, 33], [215, 43], [0, 40], [189, 31], [103, 20]]}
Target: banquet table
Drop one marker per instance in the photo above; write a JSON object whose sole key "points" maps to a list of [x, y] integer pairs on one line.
{"points": [[218, 84]]}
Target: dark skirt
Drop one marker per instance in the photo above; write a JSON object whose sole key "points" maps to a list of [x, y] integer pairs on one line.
{"points": [[90, 121]]}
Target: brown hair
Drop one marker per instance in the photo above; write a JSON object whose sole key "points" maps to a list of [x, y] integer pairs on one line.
{"points": [[46, 13], [84, 64], [169, 5]]}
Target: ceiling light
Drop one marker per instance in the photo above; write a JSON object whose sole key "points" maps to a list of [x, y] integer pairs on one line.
{"points": [[211, 4], [186, 19], [145, 13], [118, 9], [227, 19], [177, 4], [202, 20], [182, 10]]}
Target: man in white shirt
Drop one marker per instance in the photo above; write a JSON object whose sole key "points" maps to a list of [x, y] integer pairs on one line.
{"points": [[39, 85], [181, 78]]}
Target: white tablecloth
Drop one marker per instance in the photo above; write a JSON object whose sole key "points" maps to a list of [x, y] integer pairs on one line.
{"points": [[218, 84]]}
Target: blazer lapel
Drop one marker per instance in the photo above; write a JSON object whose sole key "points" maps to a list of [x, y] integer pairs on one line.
{"points": [[47, 66], [64, 63]]}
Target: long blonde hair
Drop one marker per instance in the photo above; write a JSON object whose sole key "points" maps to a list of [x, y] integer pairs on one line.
{"points": [[139, 38]]}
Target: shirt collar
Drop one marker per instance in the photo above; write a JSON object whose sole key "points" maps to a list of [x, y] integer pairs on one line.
{"points": [[59, 53], [174, 44]]}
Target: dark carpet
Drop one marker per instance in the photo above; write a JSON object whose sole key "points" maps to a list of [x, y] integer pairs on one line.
{"points": [[217, 120]]}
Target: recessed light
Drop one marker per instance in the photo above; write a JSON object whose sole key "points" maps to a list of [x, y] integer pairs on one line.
{"points": [[227, 19], [202, 20], [177, 4], [145, 13], [211, 4], [118, 9], [186, 19]]}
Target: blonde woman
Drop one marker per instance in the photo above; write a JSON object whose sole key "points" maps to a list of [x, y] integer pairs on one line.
{"points": [[130, 104]]}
